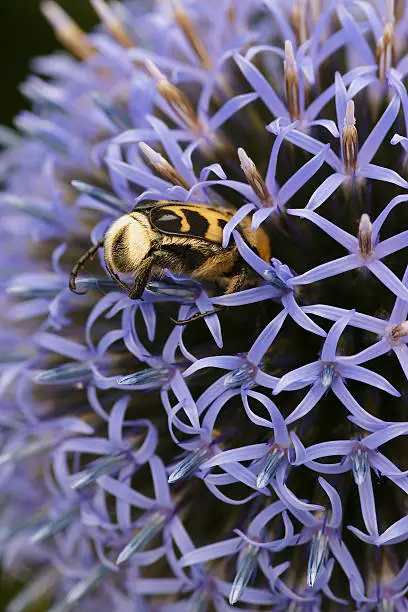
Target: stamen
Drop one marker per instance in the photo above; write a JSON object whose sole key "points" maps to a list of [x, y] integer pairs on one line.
{"points": [[97, 193], [239, 377], [299, 21], [9, 531], [327, 375], [17, 355], [350, 139], [200, 601], [67, 31], [254, 178], [274, 459], [112, 23], [190, 464], [162, 166], [83, 588], [291, 81], [174, 292], [317, 556], [399, 331], [65, 373], [359, 465], [231, 13], [386, 57], [24, 289], [28, 449], [315, 8], [30, 207], [112, 112], [399, 10], [37, 589], [386, 605], [274, 279], [192, 34], [365, 232], [246, 566], [105, 466], [150, 378], [96, 283], [55, 526], [45, 130], [176, 99], [145, 535]]}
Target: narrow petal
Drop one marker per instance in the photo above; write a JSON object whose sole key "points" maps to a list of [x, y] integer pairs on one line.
{"points": [[388, 279], [379, 173], [301, 177], [378, 133], [356, 372], [392, 245], [327, 270], [367, 503], [360, 416], [234, 221], [299, 378], [224, 362], [332, 339], [308, 403], [266, 338], [298, 315], [335, 502], [398, 532], [234, 105], [344, 238], [261, 86], [378, 223]]}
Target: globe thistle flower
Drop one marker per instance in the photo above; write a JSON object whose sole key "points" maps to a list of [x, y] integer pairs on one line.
{"points": [[133, 475]]}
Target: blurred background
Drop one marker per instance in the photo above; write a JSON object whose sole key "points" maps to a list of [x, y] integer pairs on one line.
{"points": [[24, 34]]}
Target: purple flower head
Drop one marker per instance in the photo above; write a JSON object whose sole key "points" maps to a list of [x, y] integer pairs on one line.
{"points": [[151, 461]]}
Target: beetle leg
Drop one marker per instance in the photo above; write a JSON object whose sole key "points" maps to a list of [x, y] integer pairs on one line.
{"points": [[236, 283], [79, 264]]}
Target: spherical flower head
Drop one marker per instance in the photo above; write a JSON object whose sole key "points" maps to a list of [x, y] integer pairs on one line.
{"points": [[203, 378]]}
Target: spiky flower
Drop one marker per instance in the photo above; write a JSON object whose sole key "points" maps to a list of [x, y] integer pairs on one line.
{"points": [[258, 456]]}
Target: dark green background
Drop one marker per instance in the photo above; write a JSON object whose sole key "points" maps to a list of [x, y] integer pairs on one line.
{"points": [[24, 34]]}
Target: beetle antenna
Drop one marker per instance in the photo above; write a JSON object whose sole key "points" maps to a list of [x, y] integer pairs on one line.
{"points": [[198, 315], [80, 264]]}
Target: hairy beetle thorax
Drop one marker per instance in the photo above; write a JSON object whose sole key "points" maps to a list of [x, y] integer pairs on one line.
{"points": [[127, 242]]}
